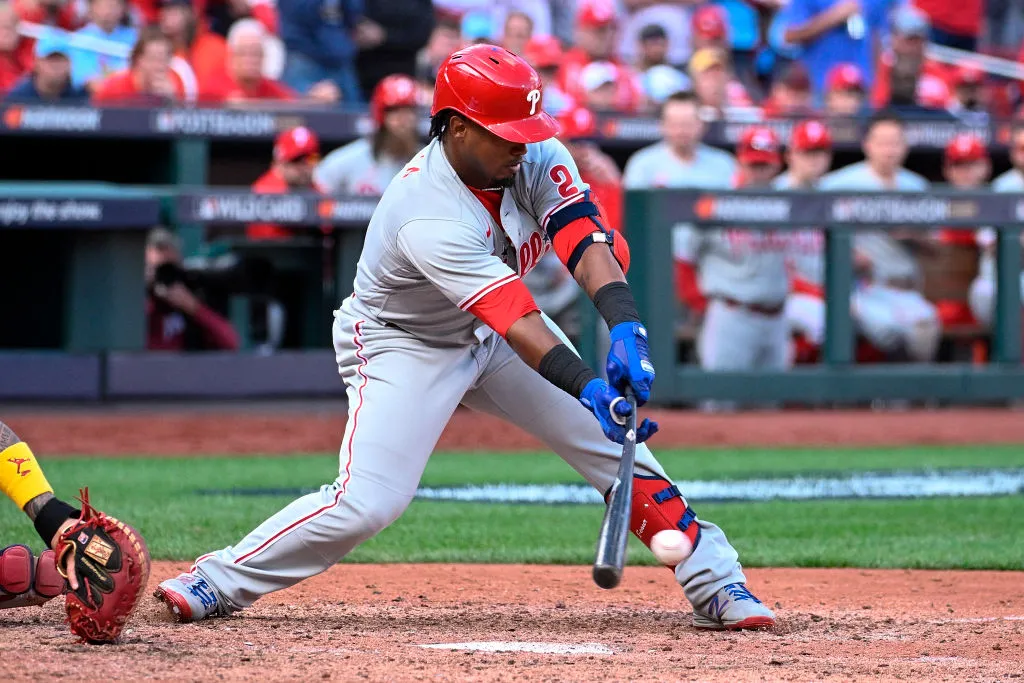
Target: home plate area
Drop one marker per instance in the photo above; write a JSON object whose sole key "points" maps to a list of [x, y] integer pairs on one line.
{"points": [[438, 622]]}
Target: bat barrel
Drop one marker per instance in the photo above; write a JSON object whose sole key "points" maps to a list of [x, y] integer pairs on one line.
{"points": [[611, 542]]}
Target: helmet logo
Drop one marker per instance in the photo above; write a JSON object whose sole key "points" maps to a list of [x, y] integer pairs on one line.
{"points": [[533, 97]]}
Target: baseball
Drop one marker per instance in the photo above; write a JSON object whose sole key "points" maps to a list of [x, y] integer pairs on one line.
{"points": [[671, 547]]}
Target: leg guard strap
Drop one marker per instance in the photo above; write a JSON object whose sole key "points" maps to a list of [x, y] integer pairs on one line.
{"points": [[658, 506]]}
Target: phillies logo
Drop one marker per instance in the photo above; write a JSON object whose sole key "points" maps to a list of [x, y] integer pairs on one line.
{"points": [[533, 97]]}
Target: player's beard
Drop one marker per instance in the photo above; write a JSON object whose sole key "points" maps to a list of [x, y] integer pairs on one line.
{"points": [[507, 181]]}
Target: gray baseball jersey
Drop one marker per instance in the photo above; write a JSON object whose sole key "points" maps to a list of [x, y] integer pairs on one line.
{"points": [[352, 169], [658, 166], [1011, 181], [806, 247], [410, 353], [890, 260]]}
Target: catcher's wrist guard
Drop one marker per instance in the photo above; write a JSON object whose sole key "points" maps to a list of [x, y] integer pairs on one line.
{"points": [[51, 516]]}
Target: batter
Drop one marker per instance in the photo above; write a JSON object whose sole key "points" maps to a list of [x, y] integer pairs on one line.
{"points": [[440, 317]]}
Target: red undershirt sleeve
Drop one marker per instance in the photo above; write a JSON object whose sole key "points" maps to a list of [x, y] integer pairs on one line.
{"points": [[504, 305], [687, 287]]}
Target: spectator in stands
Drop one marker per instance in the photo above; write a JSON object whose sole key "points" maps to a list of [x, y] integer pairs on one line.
{"points": [[50, 80], [366, 166], [243, 80], [444, 40], [518, 31], [831, 32], [597, 169], [903, 72], [406, 27], [680, 160], [969, 101], [710, 28], [15, 51], [65, 14], [954, 23], [204, 52], [318, 37], [90, 66], [595, 42], [790, 95], [598, 81], [844, 91], [544, 53], [296, 154], [714, 84], [222, 14], [176, 319], [892, 313], [673, 16], [476, 28], [148, 80], [653, 47]]}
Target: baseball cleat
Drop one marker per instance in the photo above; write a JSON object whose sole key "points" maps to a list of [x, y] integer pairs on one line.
{"points": [[733, 608], [189, 597]]}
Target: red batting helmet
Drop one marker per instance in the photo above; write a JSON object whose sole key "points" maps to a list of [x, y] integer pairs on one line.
{"points": [[496, 89], [396, 90]]}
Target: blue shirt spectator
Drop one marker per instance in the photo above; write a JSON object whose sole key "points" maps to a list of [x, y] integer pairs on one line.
{"points": [[50, 80], [829, 32], [320, 38], [91, 59]]}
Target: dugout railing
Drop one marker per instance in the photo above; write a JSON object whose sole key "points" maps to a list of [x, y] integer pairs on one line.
{"points": [[651, 215]]}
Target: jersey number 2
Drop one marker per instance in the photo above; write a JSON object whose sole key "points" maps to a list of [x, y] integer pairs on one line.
{"points": [[561, 177]]}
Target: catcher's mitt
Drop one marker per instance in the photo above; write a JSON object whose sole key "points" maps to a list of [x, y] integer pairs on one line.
{"points": [[27, 581], [112, 564]]}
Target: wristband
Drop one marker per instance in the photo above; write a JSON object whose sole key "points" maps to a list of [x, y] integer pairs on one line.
{"points": [[565, 370], [54, 513], [614, 301]]}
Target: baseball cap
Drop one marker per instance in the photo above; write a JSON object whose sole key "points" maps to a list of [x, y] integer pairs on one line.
{"points": [[596, 74], [577, 122], [759, 145], [662, 80], [543, 52], [932, 92], [809, 136], [845, 76], [595, 14], [968, 75], [965, 147], [52, 42], [705, 58], [476, 25], [910, 21], [709, 22], [296, 143]]}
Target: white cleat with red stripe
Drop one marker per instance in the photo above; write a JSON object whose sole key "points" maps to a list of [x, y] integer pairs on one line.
{"points": [[190, 598]]}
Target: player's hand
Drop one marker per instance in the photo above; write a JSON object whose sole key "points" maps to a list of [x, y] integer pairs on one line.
{"points": [[178, 296], [611, 410], [69, 559], [629, 361]]}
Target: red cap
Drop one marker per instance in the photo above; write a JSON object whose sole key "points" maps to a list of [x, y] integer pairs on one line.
{"points": [[595, 14], [543, 51], [932, 92], [969, 75], [810, 135], [296, 143], [496, 89], [759, 145], [965, 147], [396, 90], [845, 77], [709, 21], [578, 122]]}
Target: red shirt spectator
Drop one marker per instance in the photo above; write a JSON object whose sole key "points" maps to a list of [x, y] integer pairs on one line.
{"points": [[15, 51], [790, 95], [714, 85], [709, 27], [149, 80], [243, 79], [204, 51], [959, 17], [67, 16], [595, 42], [296, 153], [844, 90], [909, 36]]}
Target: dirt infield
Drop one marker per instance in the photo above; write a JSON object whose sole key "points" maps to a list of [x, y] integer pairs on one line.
{"points": [[369, 622], [234, 432]]}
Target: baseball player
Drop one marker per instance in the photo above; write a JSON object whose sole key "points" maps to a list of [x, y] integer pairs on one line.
{"points": [[366, 166], [440, 317], [890, 311], [742, 275]]}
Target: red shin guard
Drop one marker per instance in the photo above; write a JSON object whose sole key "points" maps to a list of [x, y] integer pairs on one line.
{"points": [[657, 506]]}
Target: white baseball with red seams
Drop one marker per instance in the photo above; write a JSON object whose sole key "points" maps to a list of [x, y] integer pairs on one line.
{"points": [[410, 352]]}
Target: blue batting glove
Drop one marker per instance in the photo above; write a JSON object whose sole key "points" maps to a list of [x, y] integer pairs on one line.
{"points": [[629, 361], [611, 410]]}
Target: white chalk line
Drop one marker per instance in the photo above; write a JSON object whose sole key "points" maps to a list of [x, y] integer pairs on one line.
{"points": [[979, 620], [531, 647]]}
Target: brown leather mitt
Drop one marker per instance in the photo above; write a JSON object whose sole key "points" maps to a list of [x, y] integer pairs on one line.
{"points": [[112, 564]]}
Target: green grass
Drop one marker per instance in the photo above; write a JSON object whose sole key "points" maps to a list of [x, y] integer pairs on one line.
{"points": [[160, 497]]}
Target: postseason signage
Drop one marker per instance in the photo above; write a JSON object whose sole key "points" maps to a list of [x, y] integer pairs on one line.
{"points": [[234, 207], [28, 212], [799, 209]]}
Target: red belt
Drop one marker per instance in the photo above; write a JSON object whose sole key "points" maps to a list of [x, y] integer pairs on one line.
{"points": [[753, 308]]}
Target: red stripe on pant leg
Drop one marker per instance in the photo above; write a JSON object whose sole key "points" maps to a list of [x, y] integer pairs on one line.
{"points": [[195, 565], [290, 527], [359, 405]]}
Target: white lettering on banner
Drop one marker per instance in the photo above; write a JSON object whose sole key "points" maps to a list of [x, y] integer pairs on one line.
{"points": [[752, 209], [923, 210], [251, 208], [213, 122], [17, 212], [637, 129], [59, 118], [349, 209]]}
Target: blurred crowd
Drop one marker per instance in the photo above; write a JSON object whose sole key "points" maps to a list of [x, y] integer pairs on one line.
{"points": [[779, 57]]}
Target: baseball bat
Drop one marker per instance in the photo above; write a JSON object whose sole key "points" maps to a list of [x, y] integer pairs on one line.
{"points": [[611, 542]]}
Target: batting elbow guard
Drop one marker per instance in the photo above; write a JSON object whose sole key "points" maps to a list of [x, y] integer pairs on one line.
{"points": [[659, 506], [575, 227]]}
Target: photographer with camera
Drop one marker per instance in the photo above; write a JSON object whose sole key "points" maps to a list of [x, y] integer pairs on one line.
{"points": [[176, 319]]}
